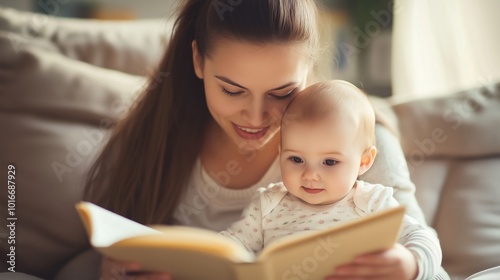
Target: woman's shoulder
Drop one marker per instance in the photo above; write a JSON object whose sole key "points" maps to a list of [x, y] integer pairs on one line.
{"points": [[389, 167]]}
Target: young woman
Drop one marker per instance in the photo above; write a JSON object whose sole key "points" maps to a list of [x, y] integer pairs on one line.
{"points": [[195, 147]]}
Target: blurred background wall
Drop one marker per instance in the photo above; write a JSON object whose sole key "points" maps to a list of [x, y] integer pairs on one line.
{"points": [[356, 33], [443, 46], [435, 47], [105, 9]]}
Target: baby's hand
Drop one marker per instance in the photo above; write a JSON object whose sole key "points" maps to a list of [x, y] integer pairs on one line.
{"points": [[115, 270], [395, 263]]}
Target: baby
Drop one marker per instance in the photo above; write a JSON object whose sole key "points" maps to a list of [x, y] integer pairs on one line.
{"points": [[327, 141]]}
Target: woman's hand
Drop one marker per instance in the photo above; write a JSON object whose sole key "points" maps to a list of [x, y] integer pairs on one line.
{"points": [[396, 263], [115, 270]]}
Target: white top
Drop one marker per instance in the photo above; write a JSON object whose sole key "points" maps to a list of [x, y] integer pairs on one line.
{"points": [[207, 204], [275, 214]]}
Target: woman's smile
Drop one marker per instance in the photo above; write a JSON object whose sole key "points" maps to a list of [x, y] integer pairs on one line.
{"points": [[250, 133]]}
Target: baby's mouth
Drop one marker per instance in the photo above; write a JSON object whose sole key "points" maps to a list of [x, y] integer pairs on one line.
{"points": [[312, 190]]}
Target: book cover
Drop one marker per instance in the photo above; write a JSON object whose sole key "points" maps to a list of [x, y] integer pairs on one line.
{"points": [[192, 253]]}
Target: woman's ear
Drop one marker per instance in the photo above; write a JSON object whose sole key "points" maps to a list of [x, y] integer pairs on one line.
{"points": [[197, 60], [367, 159]]}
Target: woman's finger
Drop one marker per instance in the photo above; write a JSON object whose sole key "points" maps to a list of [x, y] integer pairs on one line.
{"points": [[118, 270]]}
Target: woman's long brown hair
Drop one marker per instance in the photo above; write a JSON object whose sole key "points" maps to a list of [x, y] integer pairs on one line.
{"points": [[143, 169]]}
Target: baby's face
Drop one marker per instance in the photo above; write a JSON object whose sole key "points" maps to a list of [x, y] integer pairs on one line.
{"points": [[320, 161]]}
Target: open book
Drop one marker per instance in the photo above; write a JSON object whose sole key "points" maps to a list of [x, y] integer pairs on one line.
{"points": [[191, 253]]}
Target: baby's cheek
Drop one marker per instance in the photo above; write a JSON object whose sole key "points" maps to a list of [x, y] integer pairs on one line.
{"points": [[290, 175]]}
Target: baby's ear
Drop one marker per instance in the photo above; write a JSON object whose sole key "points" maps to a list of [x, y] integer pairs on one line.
{"points": [[367, 159]]}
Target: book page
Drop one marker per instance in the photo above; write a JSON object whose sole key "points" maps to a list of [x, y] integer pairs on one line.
{"points": [[315, 255], [184, 252], [106, 228], [203, 240]]}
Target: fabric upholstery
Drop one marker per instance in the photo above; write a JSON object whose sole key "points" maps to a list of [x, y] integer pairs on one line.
{"points": [[447, 126], [51, 85], [452, 146], [82, 267], [57, 112], [128, 46]]}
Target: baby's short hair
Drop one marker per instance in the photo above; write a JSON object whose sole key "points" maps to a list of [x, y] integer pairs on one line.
{"points": [[321, 99]]}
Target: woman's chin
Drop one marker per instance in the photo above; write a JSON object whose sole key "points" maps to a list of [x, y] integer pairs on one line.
{"points": [[255, 144], [251, 145]]}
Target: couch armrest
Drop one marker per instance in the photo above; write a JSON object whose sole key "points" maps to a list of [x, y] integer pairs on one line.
{"points": [[85, 266]]}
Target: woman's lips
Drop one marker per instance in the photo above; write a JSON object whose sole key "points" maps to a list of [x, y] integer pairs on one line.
{"points": [[250, 133], [313, 191]]}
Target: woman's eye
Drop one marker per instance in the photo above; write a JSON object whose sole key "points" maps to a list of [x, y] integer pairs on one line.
{"points": [[286, 95], [231, 93], [330, 162], [295, 159]]}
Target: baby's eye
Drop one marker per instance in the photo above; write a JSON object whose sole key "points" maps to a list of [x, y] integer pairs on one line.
{"points": [[295, 159], [330, 162]]}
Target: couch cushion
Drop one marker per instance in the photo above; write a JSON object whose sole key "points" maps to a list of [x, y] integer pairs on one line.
{"points": [[468, 216], [127, 46], [55, 114], [452, 145], [35, 81], [449, 126], [50, 157]]}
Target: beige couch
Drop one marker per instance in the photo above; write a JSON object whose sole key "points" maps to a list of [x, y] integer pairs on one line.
{"points": [[64, 83]]}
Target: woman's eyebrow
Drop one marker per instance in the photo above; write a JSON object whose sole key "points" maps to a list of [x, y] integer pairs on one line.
{"points": [[226, 80], [285, 85]]}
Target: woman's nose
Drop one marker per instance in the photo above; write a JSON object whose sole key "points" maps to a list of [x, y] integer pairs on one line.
{"points": [[257, 113]]}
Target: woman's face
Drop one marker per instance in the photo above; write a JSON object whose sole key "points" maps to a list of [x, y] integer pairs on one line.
{"points": [[248, 86]]}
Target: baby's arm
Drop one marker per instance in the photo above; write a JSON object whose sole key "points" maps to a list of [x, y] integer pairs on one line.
{"points": [[424, 245], [416, 256], [248, 231]]}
